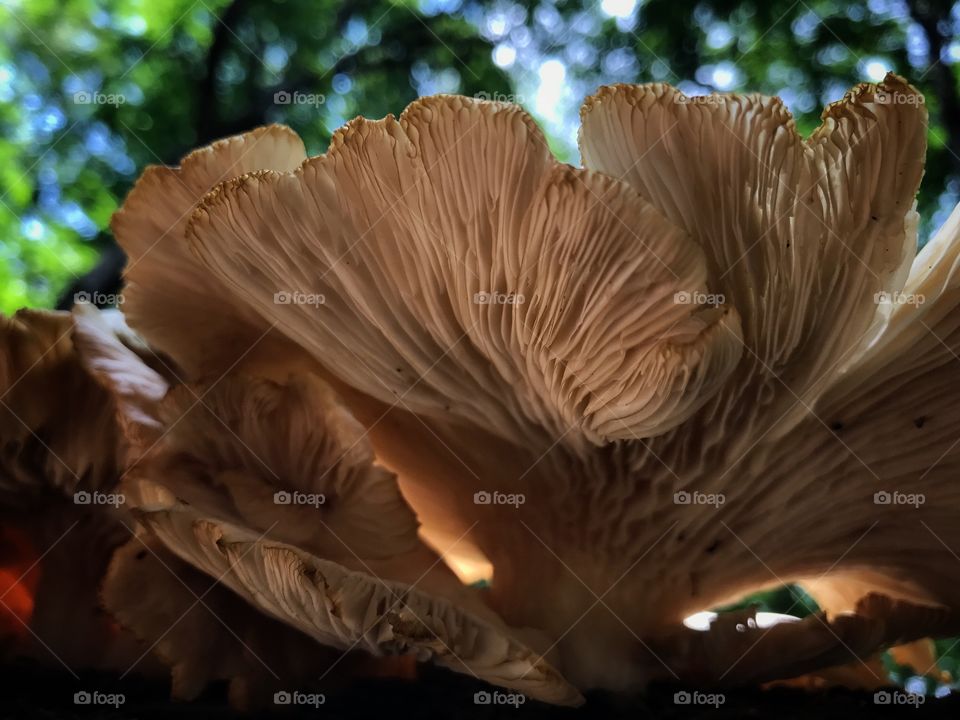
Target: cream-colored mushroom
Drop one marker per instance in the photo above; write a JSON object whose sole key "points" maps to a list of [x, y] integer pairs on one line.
{"points": [[204, 631], [164, 286], [640, 389], [271, 489], [45, 446]]}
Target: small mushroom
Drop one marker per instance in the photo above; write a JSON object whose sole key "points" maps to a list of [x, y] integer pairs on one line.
{"points": [[204, 631], [61, 457], [271, 489]]}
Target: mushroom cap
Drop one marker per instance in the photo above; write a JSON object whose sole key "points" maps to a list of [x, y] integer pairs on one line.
{"points": [[347, 609], [690, 311], [164, 286], [448, 260], [204, 631], [44, 449], [271, 489], [800, 235]]}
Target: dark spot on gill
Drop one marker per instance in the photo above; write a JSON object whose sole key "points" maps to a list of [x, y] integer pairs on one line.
{"points": [[836, 426], [712, 547], [919, 422]]}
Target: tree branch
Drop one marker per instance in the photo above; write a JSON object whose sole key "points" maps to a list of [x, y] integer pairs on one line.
{"points": [[931, 15]]}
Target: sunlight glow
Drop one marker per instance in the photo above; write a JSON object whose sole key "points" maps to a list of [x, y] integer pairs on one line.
{"points": [[553, 74], [618, 8], [876, 70], [701, 620]]}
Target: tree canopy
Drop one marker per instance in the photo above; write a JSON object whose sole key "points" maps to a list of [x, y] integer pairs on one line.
{"points": [[92, 91]]}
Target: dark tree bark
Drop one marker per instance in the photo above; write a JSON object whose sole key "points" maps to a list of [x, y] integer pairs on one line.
{"points": [[104, 279], [207, 108], [932, 15]]}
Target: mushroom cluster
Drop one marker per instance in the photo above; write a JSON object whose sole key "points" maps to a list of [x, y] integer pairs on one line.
{"points": [[708, 362]]}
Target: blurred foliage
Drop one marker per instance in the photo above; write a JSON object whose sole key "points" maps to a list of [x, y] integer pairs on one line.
{"points": [[91, 91], [787, 599]]}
